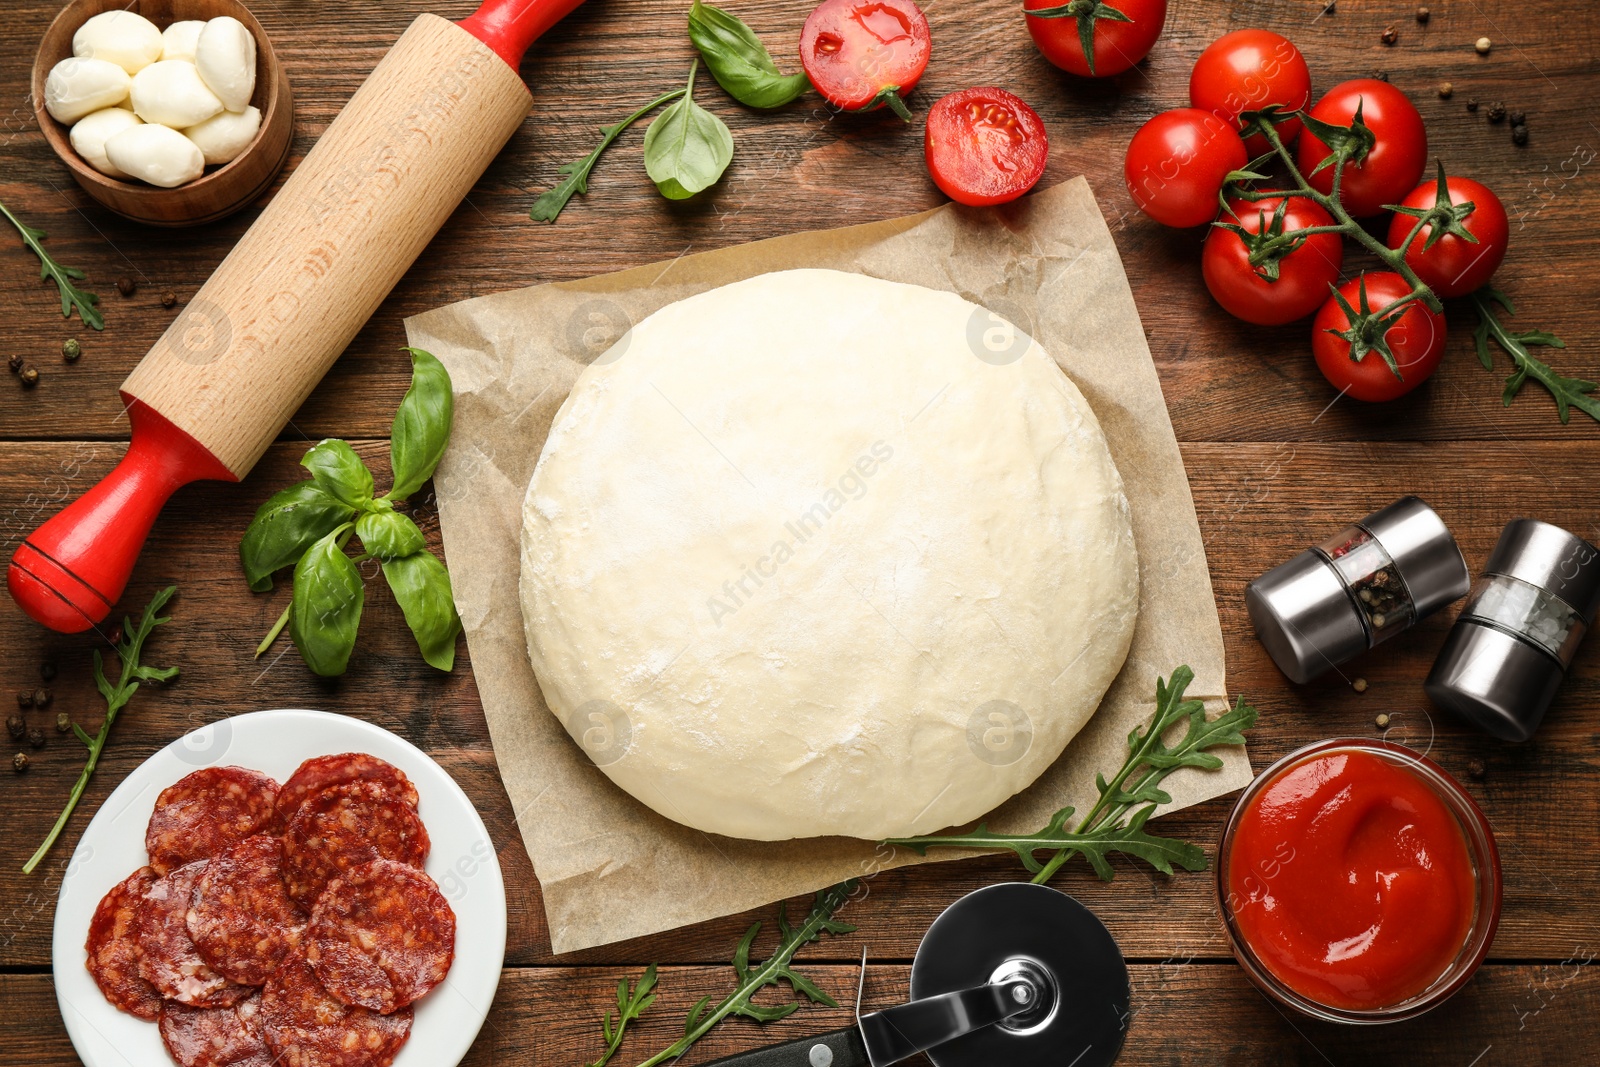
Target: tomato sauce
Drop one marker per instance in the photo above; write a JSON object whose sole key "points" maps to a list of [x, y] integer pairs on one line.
{"points": [[1351, 881]]}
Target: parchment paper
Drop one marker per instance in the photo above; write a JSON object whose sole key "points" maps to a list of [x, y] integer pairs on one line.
{"points": [[610, 868]]}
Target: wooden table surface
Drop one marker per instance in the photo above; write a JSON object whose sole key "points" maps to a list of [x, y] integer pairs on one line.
{"points": [[1273, 461]]}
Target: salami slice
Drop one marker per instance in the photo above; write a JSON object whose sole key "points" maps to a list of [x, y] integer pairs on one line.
{"points": [[215, 1037], [325, 772], [344, 827], [240, 916], [306, 1027], [113, 947], [382, 936], [168, 959], [202, 814]]}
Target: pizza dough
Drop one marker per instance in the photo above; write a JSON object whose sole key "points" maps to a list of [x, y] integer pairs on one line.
{"points": [[816, 553]]}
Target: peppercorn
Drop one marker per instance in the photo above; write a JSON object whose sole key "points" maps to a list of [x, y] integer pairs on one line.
{"points": [[1379, 75], [126, 285], [25, 698], [71, 350], [1497, 112], [1359, 685], [169, 299], [1519, 135], [1382, 721], [1472, 105], [1518, 118], [63, 723], [1483, 44], [1475, 767], [36, 737], [47, 671], [30, 377], [15, 726], [1445, 90], [42, 698], [115, 637], [19, 762], [1390, 34], [1423, 15], [15, 363]]}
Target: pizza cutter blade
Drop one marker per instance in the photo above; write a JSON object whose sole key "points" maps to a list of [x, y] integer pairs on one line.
{"points": [[1014, 974]]}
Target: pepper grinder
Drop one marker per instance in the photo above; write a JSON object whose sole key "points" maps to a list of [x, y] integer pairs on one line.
{"points": [[1363, 585], [1510, 649]]}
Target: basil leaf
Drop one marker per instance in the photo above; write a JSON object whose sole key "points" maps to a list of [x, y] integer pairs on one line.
{"points": [[421, 425], [284, 527], [421, 587], [340, 472], [326, 609], [389, 534], [687, 148], [739, 61]]}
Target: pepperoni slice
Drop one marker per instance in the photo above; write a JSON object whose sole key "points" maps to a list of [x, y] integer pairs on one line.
{"points": [[240, 916], [113, 947], [344, 827], [306, 1027], [382, 936], [215, 1037], [325, 772], [168, 959], [202, 814]]}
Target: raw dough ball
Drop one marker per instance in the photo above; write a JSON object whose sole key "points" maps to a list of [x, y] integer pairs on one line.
{"points": [[91, 132], [179, 40], [157, 154], [170, 92], [226, 56], [125, 38], [804, 556], [222, 137], [76, 87]]}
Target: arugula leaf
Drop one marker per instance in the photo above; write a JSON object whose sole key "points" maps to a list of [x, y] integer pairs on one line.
{"points": [[549, 205], [739, 61], [631, 1004], [1568, 392], [64, 277], [687, 149]]}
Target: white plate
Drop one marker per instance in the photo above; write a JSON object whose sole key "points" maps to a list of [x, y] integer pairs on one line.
{"points": [[463, 862]]}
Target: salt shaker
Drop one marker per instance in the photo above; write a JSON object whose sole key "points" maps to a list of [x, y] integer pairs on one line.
{"points": [[1511, 646], [1360, 587]]}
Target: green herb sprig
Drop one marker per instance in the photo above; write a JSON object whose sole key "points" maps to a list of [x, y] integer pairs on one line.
{"points": [[308, 525], [64, 277], [631, 1004], [1116, 821], [133, 674], [1568, 392]]}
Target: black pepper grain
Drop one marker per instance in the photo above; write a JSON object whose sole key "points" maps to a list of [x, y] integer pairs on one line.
{"points": [[1475, 767], [1497, 112], [36, 738], [1518, 118], [127, 286], [1380, 75], [19, 762], [42, 698], [1472, 105], [25, 698], [16, 726], [15, 363], [115, 636], [169, 299], [29, 376], [1423, 15], [47, 671], [1390, 34], [1519, 135]]}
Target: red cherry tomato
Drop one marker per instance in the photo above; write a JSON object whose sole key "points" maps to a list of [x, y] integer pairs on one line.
{"points": [[1393, 164], [1455, 266], [1118, 45], [1176, 164], [858, 53], [1417, 341], [1304, 275], [1245, 71], [985, 146]]}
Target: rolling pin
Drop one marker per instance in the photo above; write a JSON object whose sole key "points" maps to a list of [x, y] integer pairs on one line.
{"points": [[220, 384]]}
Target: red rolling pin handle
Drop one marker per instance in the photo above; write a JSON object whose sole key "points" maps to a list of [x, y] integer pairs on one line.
{"points": [[69, 573]]}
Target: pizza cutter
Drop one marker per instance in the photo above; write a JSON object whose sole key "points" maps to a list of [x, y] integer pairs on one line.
{"points": [[247, 350], [1012, 975]]}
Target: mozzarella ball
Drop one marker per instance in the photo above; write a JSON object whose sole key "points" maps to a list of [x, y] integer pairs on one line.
{"points": [[129, 40], [92, 131], [77, 86], [226, 56], [159, 155], [222, 137], [170, 92], [179, 40]]}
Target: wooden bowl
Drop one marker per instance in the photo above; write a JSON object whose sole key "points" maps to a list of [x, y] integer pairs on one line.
{"points": [[221, 190]]}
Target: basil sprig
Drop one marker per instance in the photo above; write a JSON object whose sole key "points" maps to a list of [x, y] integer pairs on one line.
{"points": [[687, 148], [739, 61], [308, 525]]}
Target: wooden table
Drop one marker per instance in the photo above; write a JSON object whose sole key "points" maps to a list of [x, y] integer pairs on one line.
{"points": [[1273, 461]]}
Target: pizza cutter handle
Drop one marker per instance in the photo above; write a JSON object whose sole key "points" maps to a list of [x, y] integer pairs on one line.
{"points": [[508, 27], [841, 1048]]}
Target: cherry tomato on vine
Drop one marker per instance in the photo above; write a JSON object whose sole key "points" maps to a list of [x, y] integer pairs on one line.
{"points": [[985, 146], [1395, 160], [1176, 164], [1454, 266], [1416, 340], [863, 54], [1245, 71], [1265, 293], [1092, 38]]}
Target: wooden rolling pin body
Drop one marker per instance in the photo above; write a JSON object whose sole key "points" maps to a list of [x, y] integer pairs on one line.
{"points": [[355, 214]]}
